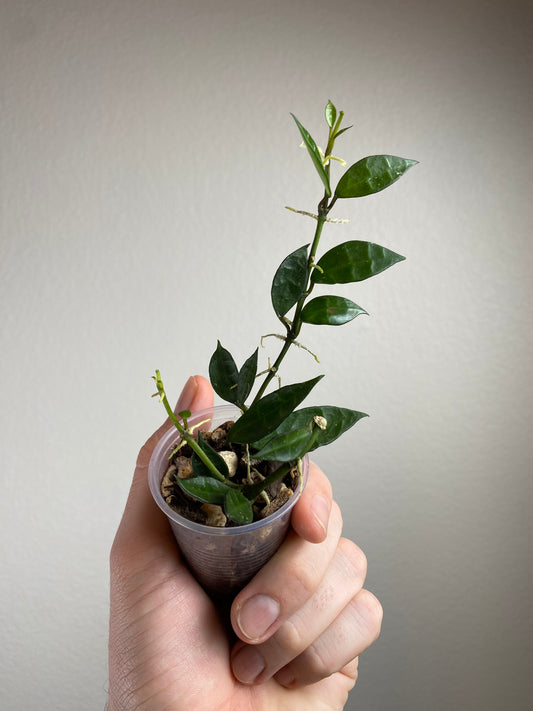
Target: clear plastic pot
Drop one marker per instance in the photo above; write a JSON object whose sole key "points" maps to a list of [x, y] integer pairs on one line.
{"points": [[223, 560]]}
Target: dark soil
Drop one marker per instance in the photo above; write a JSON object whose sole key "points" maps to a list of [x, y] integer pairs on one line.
{"points": [[180, 466]]}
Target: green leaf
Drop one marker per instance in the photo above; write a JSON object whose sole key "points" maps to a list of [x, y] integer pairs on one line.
{"points": [[287, 446], [353, 261], [223, 374], [330, 311], [372, 174], [205, 488], [331, 114], [339, 420], [342, 131], [315, 155], [237, 507], [199, 468], [290, 281], [267, 413], [246, 378]]}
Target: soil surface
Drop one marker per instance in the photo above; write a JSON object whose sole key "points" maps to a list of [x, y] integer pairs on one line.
{"points": [[180, 467]]}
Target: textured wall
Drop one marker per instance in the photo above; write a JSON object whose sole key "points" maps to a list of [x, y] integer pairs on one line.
{"points": [[147, 154]]}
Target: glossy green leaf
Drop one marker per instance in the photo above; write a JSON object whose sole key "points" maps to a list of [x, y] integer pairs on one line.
{"points": [[339, 419], [287, 446], [330, 311], [331, 114], [315, 155], [353, 261], [205, 488], [372, 174], [223, 374], [267, 413], [290, 281], [246, 378], [201, 469], [237, 507]]}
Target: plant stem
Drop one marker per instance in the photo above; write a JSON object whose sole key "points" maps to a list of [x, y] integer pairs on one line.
{"points": [[322, 214], [274, 369], [252, 491], [294, 330], [187, 436], [324, 208]]}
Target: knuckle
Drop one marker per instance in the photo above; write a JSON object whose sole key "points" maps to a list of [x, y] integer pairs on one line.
{"points": [[121, 562], [336, 514], [354, 558], [370, 614], [304, 580], [315, 664], [118, 553], [289, 637], [320, 480], [117, 565], [352, 669], [115, 554]]}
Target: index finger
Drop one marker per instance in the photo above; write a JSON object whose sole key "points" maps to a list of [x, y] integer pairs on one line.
{"points": [[311, 513]]}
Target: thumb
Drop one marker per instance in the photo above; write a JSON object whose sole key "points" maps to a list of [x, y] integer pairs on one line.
{"points": [[197, 394]]}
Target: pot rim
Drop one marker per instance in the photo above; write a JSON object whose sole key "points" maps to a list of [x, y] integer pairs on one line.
{"points": [[163, 449]]}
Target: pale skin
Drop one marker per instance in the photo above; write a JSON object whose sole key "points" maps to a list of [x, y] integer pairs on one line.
{"points": [[301, 623]]}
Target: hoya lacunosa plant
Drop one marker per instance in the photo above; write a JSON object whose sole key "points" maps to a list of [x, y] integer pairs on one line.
{"points": [[272, 426]]}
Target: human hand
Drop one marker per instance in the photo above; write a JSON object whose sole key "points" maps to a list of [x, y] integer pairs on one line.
{"points": [[302, 621]]}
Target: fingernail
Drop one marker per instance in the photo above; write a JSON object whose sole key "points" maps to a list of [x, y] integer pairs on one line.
{"points": [[257, 615], [320, 510], [187, 395], [285, 677], [247, 664]]}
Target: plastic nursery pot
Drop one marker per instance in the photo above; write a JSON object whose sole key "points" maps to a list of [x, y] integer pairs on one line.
{"points": [[223, 560]]}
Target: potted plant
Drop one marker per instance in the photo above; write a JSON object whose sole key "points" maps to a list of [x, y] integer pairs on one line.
{"points": [[227, 478]]}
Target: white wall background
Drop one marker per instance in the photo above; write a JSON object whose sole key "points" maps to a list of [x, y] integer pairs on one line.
{"points": [[146, 155]]}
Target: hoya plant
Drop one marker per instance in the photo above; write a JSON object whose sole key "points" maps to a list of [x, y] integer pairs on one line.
{"points": [[272, 426]]}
